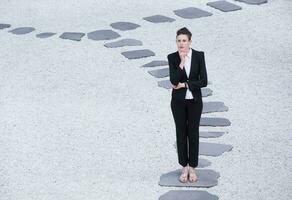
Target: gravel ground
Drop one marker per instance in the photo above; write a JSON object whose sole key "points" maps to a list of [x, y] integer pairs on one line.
{"points": [[80, 121]]}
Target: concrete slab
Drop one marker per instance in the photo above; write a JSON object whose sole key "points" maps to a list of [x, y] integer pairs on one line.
{"points": [[191, 13], [203, 163], [22, 30], [3, 26], [156, 63], [214, 121], [158, 19], [253, 2], [106, 34], [124, 42], [136, 54], [45, 35], [75, 36], [159, 73], [213, 149], [124, 26], [211, 134], [224, 6], [188, 195], [206, 178], [214, 106]]}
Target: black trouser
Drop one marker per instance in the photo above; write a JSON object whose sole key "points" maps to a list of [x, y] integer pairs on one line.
{"points": [[187, 115]]}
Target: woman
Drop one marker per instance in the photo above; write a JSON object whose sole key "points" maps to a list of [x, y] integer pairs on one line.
{"points": [[187, 72]]}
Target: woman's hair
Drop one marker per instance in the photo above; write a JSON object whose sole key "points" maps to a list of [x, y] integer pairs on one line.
{"points": [[185, 31]]}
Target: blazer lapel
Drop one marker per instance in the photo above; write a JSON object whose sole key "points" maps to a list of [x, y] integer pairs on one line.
{"points": [[192, 61]]}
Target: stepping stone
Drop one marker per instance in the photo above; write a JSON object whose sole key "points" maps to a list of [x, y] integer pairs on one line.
{"points": [[134, 54], [160, 73], [188, 195], [214, 121], [213, 149], [103, 35], [206, 178], [191, 13], [158, 19], [206, 91], [165, 84], [124, 26], [214, 106], [224, 6], [211, 134], [22, 30], [123, 42], [254, 2], [45, 35], [156, 63], [72, 36], [210, 149], [3, 26], [203, 163]]}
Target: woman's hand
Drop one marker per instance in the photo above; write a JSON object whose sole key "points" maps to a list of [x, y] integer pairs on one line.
{"points": [[178, 86], [182, 55]]}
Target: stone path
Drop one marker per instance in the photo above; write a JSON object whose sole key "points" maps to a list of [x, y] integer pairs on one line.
{"points": [[206, 177]]}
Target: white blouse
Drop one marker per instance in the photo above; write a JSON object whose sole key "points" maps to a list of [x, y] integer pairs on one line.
{"points": [[187, 66]]}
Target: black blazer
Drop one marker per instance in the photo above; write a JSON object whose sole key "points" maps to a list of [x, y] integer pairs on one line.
{"points": [[197, 77]]}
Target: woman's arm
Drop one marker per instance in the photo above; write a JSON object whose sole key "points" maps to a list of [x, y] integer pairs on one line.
{"points": [[175, 72], [203, 79]]}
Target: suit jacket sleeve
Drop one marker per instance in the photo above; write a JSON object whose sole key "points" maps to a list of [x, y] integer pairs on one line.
{"points": [[203, 79], [175, 72]]}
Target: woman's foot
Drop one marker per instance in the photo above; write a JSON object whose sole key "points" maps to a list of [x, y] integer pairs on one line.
{"points": [[192, 175], [184, 175]]}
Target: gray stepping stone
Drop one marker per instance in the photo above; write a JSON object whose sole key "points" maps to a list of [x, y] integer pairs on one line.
{"points": [[124, 26], [158, 19], [203, 163], [22, 30], [159, 73], [188, 195], [206, 178], [3, 26], [103, 35], [76, 36], [123, 42], [45, 35], [214, 121], [135, 54], [214, 106], [206, 91], [191, 13], [213, 149], [165, 84], [254, 2], [156, 63], [210, 149], [224, 6], [211, 134]]}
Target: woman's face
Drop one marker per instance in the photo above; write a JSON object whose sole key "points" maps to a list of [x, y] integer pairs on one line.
{"points": [[183, 43]]}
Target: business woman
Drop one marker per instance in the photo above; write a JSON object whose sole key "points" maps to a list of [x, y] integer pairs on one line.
{"points": [[187, 72]]}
